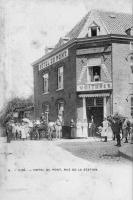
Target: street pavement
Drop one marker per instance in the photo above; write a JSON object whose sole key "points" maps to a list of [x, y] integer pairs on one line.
{"points": [[43, 170], [94, 149]]}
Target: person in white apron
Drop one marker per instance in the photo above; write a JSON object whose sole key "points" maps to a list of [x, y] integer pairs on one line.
{"points": [[23, 132], [105, 129], [58, 127]]}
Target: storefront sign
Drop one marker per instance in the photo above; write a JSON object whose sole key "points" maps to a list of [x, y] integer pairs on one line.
{"points": [[94, 86], [53, 59]]}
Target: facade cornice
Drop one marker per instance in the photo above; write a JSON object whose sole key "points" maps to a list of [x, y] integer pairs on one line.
{"points": [[78, 41]]}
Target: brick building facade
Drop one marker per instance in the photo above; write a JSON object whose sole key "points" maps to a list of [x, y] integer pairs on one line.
{"points": [[87, 73]]}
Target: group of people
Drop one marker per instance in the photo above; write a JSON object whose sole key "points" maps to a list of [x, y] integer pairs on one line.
{"points": [[35, 129], [117, 129], [52, 127], [112, 127], [17, 130], [55, 127]]}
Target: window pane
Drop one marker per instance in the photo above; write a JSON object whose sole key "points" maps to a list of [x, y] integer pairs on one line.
{"points": [[94, 31], [45, 82], [90, 102], [61, 108], [60, 77], [99, 101], [96, 73]]}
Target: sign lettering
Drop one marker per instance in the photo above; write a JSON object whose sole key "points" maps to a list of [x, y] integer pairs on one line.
{"points": [[53, 59], [94, 86]]}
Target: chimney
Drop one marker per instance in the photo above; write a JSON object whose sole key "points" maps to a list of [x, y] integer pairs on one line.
{"points": [[48, 49]]}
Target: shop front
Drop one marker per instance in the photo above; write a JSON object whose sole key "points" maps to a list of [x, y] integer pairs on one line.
{"points": [[94, 111], [95, 99]]}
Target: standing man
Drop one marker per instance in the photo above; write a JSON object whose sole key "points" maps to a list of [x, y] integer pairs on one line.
{"points": [[131, 133], [112, 122], [117, 128], [9, 131], [125, 129]]}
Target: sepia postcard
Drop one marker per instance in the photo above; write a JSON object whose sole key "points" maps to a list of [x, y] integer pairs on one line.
{"points": [[66, 99]]}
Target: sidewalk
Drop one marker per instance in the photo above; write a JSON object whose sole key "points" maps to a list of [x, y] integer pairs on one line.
{"points": [[126, 151]]}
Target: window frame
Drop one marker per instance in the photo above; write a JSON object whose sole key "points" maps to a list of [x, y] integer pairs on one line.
{"points": [[60, 83], [45, 88], [91, 28], [94, 28], [91, 78], [59, 105]]}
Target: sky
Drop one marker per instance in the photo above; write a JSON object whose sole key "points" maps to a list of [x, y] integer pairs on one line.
{"points": [[31, 25]]}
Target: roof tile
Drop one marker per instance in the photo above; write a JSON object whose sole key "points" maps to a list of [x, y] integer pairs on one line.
{"points": [[116, 23]]}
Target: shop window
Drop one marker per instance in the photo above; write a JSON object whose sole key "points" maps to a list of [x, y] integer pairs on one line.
{"points": [[94, 74], [45, 83], [60, 78], [94, 101], [90, 102], [99, 101]]}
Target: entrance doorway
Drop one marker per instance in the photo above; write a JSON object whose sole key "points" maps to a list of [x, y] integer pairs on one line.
{"points": [[97, 113], [94, 107]]}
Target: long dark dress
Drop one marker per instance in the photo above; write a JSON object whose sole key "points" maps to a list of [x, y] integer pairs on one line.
{"points": [[72, 126]]}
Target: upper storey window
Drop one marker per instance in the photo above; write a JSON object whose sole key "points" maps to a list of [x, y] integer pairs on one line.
{"points": [[94, 74], [93, 30], [60, 78], [45, 83]]}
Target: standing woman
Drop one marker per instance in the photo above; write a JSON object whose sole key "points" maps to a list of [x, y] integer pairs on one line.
{"points": [[125, 130], [105, 129], [58, 125], [92, 127], [23, 131], [109, 130], [72, 126]]}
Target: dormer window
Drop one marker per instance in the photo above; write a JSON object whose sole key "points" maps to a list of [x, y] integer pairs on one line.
{"points": [[93, 30], [129, 31]]}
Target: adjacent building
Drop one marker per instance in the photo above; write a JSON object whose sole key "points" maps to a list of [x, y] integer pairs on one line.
{"points": [[88, 72]]}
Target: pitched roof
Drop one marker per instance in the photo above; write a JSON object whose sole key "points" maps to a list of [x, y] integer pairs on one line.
{"points": [[115, 23], [75, 30]]}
